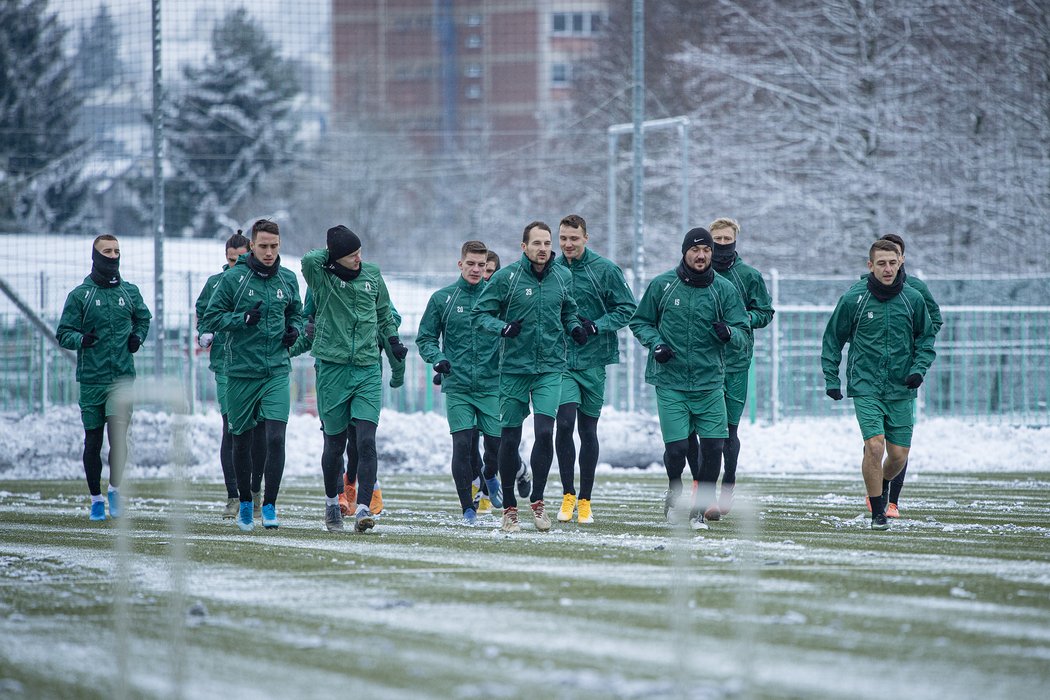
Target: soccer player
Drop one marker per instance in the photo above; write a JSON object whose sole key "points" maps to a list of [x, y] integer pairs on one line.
{"points": [[348, 482], [605, 304], [491, 264], [353, 316], [759, 306], [897, 483], [890, 338], [469, 364], [257, 306], [691, 320], [529, 305], [105, 320], [236, 246]]}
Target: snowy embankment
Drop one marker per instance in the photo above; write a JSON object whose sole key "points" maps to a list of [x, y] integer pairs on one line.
{"points": [[50, 446]]}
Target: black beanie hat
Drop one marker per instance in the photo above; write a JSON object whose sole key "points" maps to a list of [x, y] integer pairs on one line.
{"points": [[697, 236], [341, 242]]}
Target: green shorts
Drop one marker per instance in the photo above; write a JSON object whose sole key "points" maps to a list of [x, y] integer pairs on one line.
{"points": [[515, 391], [585, 387], [466, 411], [736, 395], [100, 401], [348, 392], [220, 393], [894, 419], [250, 400], [685, 412]]}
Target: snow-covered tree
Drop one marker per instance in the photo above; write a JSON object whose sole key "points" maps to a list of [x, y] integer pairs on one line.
{"points": [[234, 123], [98, 61], [40, 180]]}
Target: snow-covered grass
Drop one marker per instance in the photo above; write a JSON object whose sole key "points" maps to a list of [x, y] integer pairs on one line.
{"points": [[791, 595]]}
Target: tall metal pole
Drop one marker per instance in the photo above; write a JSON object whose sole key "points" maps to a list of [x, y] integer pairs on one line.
{"points": [[638, 116], [683, 139], [158, 198]]}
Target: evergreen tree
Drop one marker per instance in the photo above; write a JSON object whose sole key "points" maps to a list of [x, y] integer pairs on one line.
{"points": [[234, 124], [97, 58], [40, 182]]}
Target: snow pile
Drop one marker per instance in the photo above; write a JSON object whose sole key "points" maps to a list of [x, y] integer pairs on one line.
{"points": [[50, 446]]}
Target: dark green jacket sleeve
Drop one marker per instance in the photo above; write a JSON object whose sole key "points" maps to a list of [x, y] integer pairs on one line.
{"points": [[220, 316], [487, 312], [304, 343], [619, 302], [140, 317], [931, 306], [643, 323], [925, 336], [735, 316], [429, 333], [69, 333], [836, 334], [759, 303], [202, 306]]}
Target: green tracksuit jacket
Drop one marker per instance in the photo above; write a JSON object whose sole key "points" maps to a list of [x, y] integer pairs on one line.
{"points": [[215, 351], [304, 343], [447, 332], [675, 314], [254, 351], [113, 314], [601, 295], [352, 318], [547, 311], [752, 289], [888, 340]]}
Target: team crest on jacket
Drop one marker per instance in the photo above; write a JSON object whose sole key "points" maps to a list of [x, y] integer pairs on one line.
{"points": [[368, 286], [280, 294], [120, 301]]}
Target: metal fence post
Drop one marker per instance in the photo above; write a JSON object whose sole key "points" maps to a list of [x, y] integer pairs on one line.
{"points": [[774, 375]]}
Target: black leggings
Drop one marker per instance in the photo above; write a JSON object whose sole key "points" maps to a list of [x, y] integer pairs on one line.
{"points": [[704, 456], [896, 484], [566, 449], [332, 463], [229, 475], [367, 463], [730, 451], [462, 469], [117, 428], [243, 457]]}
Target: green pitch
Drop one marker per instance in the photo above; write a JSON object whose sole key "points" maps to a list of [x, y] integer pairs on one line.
{"points": [[790, 596]]}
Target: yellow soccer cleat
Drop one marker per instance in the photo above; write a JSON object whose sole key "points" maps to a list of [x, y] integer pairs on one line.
{"points": [[583, 512], [568, 505], [484, 506]]}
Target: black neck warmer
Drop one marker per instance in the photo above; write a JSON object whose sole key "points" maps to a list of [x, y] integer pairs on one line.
{"points": [[545, 269], [262, 270], [724, 256], [884, 292], [343, 273], [104, 271], [693, 278]]}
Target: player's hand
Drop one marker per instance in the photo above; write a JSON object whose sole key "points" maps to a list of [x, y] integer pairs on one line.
{"points": [[253, 315], [663, 353], [88, 339], [437, 378], [722, 331], [205, 339], [310, 328], [512, 329], [134, 343], [913, 381], [443, 367], [397, 348], [588, 325], [835, 394], [291, 334], [579, 334]]}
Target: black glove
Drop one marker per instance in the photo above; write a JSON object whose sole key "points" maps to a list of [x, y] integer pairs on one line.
{"points": [[89, 339], [310, 327], [291, 334], [588, 325], [397, 348], [443, 367], [722, 331], [579, 334], [512, 329], [253, 315], [913, 381], [662, 353], [835, 394], [134, 344], [437, 379]]}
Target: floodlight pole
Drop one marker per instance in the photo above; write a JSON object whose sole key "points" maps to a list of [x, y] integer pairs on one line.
{"points": [[158, 195]]}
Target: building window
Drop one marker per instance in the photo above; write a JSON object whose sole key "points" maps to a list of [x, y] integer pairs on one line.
{"points": [[473, 92], [473, 41], [472, 70], [561, 74], [577, 23], [473, 20]]}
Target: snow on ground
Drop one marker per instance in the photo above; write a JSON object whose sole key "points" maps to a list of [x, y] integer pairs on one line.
{"points": [[49, 446]]}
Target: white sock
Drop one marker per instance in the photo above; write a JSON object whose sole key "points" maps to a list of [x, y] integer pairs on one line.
{"points": [[476, 482], [114, 489], [362, 508], [331, 501], [98, 499]]}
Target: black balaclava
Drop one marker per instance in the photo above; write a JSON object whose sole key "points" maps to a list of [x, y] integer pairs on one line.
{"points": [[884, 292], [696, 236], [104, 271], [724, 256], [256, 266], [341, 242]]}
